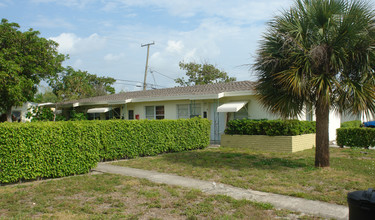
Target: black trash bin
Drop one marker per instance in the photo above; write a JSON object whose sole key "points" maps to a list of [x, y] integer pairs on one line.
{"points": [[362, 205]]}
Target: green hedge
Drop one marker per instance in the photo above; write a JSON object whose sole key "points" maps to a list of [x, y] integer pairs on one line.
{"points": [[151, 137], [351, 124], [270, 127], [356, 137], [46, 149], [55, 149]]}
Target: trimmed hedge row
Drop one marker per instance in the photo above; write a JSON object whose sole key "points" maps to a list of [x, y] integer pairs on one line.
{"points": [[151, 137], [351, 124], [270, 127], [55, 149], [356, 137], [42, 150]]}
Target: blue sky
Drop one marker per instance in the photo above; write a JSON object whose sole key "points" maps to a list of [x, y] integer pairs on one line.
{"points": [[104, 37]]}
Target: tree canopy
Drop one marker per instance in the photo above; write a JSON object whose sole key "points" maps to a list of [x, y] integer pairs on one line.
{"points": [[73, 84], [25, 59], [319, 53], [46, 96], [202, 74]]}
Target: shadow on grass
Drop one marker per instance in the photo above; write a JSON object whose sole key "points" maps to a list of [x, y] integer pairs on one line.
{"points": [[217, 159]]}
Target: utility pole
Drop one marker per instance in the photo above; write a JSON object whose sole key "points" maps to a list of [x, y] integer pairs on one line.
{"points": [[148, 52]]}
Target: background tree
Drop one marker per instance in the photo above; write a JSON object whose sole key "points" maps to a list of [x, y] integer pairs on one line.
{"points": [[25, 59], [46, 96], [202, 74], [319, 53], [71, 84]]}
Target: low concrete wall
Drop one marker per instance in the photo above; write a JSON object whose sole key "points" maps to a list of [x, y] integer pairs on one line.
{"points": [[270, 143]]}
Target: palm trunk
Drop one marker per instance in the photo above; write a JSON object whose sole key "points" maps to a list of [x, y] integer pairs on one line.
{"points": [[9, 114], [322, 136]]}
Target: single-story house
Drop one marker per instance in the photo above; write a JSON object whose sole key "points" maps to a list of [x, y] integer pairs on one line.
{"points": [[19, 112], [218, 102]]}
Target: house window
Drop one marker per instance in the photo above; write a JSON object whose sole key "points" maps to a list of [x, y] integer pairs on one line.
{"points": [[155, 112], [309, 113], [189, 111], [183, 111], [241, 114], [93, 116], [131, 114], [159, 112], [195, 110]]}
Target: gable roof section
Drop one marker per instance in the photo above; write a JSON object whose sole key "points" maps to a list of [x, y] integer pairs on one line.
{"points": [[176, 93]]}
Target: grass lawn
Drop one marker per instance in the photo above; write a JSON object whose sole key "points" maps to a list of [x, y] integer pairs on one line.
{"points": [[282, 173], [106, 196]]}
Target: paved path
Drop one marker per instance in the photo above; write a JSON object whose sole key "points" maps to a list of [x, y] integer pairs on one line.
{"points": [[315, 208]]}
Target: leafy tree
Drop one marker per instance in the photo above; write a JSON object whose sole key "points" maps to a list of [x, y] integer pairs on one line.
{"points": [[47, 96], [71, 84], [25, 59], [40, 113], [319, 53], [74, 116], [202, 74]]}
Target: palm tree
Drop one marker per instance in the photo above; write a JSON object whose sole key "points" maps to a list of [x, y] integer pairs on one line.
{"points": [[320, 53]]}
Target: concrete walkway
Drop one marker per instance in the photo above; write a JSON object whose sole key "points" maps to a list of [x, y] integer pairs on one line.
{"points": [[315, 208]]}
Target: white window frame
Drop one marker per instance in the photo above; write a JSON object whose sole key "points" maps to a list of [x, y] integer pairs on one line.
{"points": [[241, 113], [189, 109], [178, 111], [154, 115]]}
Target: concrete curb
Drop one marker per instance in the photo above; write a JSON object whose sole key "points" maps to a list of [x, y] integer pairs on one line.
{"points": [[311, 207]]}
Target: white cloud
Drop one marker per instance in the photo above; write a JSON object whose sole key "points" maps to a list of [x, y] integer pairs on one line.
{"points": [[175, 46], [69, 43], [228, 46], [190, 56], [247, 11], [113, 57]]}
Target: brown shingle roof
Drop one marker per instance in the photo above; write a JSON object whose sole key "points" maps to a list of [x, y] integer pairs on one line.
{"points": [[207, 89]]}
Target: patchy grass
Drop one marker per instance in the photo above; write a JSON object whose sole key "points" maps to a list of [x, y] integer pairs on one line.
{"points": [[282, 173], [107, 196]]}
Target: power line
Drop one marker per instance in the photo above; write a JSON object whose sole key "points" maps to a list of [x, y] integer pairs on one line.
{"points": [[148, 84], [162, 74], [153, 76], [135, 85], [128, 80]]}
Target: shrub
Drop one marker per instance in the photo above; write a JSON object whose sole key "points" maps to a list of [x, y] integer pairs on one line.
{"points": [[55, 149], [270, 127], [351, 124], [129, 139], [74, 116], [45, 149], [356, 137]]}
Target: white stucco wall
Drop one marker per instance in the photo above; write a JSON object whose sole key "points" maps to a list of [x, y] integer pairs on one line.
{"points": [[334, 123], [24, 109], [257, 111], [170, 108]]}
